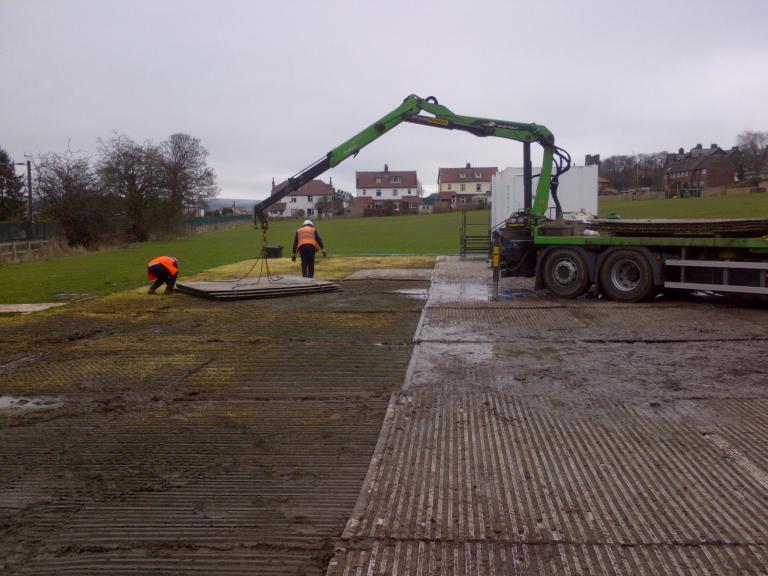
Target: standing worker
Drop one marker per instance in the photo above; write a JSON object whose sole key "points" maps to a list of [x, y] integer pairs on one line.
{"points": [[163, 270], [307, 241]]}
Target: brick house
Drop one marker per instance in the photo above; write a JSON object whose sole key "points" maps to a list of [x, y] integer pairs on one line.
{"points": [[367, 206], [304, 199], [387, 184], [699, 168], [467, 185]]}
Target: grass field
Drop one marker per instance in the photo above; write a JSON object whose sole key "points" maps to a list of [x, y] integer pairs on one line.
{"points": [[120, 269], [744, 206]]}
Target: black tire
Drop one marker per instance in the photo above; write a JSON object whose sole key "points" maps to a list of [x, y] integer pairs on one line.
{"points": [[626, 276], [566, 273]]}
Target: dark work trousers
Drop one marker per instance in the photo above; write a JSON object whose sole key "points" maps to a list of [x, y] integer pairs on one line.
{"points": [[307, 253], [162, 277]]}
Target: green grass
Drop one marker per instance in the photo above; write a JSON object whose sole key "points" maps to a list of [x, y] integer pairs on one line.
{"points": [[742, 206], [120, 269]]}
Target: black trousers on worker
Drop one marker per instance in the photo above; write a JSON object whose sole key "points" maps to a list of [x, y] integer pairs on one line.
{"points": [[162, 276], [307, 253]]}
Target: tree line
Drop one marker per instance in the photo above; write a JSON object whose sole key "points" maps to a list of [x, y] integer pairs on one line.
{"points": [[128, 192], [648, 170]]}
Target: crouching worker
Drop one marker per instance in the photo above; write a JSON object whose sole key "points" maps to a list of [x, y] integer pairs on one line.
{"points": [[307, 241], [163, 270]]}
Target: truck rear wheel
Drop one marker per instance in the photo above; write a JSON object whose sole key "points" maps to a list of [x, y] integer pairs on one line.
{"points": [[566, 273], [626, 276]]}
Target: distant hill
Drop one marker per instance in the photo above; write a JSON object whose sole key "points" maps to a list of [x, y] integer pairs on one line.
{"points": [[217, 203]]}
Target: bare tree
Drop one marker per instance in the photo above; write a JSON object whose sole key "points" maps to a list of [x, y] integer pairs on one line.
{"points": [[67, 190], [753, 147], [134, 173], [187, 178]]}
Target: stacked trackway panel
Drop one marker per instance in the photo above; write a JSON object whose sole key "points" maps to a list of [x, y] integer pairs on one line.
{"points": [[251, 288], [537, 437]]}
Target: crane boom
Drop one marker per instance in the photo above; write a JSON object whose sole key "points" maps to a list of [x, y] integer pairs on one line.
{"points": [[438, 116]]}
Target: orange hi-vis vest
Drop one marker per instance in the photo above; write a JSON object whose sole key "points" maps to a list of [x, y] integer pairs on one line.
{"points": [[169, 263], [307, 236]]}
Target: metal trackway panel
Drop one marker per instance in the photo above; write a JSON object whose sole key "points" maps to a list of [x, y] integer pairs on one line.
{"points": [[589, 321], [582, 438], [421, 558]]}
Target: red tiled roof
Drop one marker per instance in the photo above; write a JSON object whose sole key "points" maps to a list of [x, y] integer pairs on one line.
{"points": [[445, 195], [313, 188], [412, 199], [362, 201], [368, 179], [279, 207], [452, 174]]}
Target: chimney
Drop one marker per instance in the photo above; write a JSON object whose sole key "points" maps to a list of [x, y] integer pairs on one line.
{"points": [[713, 146], [681, 151], [698, 146], [273, 185], [468, 166], [386, 167]]}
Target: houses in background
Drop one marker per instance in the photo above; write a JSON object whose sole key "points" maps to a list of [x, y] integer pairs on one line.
{"points": [[470, 185], [701, 168], [313, 199], [387, 192]]}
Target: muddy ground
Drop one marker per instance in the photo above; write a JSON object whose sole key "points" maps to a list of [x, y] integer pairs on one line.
{"points": [[175, 435], [159, 435], [544, 437]]}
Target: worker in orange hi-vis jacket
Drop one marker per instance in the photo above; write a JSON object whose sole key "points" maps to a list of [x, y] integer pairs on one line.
{"points": [[163, 270], [307, 241]]}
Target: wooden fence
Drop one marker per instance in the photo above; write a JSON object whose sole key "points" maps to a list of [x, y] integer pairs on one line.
{"points": [[19, 249]]}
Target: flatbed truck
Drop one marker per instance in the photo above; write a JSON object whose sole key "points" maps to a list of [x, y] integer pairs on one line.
{"points": [[629, 261]]}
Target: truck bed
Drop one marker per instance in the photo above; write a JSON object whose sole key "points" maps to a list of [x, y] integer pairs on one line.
{"points": [[703, 228]]}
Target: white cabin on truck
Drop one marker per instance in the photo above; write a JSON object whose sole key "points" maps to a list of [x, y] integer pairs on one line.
{"points": [[577, 192]]}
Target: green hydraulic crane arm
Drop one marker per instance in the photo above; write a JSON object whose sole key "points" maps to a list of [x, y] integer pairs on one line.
{"points": [[437, 116]]}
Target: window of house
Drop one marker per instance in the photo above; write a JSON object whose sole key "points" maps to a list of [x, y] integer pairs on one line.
{"points": [[378, 179], [409, 191], [394, 192], [364, 192], [368, 205], [378, 192], [395, 179], [293, 198], [462, 187], [310, 198], [449, 186], [462, 174], [477, 187], [478, 175], [378, 204], [310, 211]]}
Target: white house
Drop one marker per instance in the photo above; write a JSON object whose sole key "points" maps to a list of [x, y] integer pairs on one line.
{"points": [[304, 199], [467, 185], [577, 192], [387, 185]]}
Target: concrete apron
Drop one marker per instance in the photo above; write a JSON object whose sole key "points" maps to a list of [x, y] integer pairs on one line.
{"points": [[483, 466]]}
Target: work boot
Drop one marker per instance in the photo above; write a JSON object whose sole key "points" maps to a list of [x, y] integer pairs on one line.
{"points": [[168, 291], [151, 291]]}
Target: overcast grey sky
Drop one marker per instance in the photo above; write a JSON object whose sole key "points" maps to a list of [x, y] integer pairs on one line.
{"points": [[271, 86]]}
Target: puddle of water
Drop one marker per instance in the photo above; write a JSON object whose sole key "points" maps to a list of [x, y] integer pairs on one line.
{"points": [[24, 404], [27, 308], [417, 293]]}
